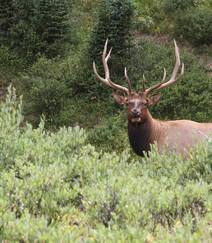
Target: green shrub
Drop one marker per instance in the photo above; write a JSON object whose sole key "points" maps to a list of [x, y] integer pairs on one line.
{"points": [[161, 16], [110, 134], [10, 63], [24, 41], [149, 16], [45, 90], [195, 26], [173, 6], [47, 97]]}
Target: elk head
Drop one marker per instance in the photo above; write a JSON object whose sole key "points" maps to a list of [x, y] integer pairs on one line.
{"points": [[138, 102]]}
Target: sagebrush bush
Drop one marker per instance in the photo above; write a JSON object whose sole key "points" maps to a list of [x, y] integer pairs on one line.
{"points": [[56, 187]]}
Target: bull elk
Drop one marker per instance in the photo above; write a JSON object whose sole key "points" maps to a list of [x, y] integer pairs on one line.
{"points": [[143, 129]]}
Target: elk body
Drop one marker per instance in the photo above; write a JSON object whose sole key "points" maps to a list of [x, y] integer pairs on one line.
{"points": [[143, 129]]}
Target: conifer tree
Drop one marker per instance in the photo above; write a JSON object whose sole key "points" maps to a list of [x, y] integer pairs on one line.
{"points": [[6, 19], [114, 22], [23, 38], [31, 27], [52, 24]]}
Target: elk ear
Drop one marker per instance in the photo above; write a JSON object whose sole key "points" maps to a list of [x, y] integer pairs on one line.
{"points": [[121, 100], [154, 99]]}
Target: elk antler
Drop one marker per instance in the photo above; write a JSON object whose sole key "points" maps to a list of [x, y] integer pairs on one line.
{"points": [[173, 78], [107, 80], [128, 80]]}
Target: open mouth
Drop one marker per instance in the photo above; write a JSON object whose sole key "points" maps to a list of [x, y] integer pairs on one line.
{"points": [[136, 119]]}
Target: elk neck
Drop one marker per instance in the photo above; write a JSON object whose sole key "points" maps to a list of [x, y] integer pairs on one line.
{"points": [[142, 135]]}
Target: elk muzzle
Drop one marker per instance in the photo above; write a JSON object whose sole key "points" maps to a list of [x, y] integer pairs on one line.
{"points": [[137, 115]]}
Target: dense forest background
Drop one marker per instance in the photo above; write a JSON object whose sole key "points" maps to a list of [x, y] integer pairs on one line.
{"points": [[67, 183], [47, 49]]}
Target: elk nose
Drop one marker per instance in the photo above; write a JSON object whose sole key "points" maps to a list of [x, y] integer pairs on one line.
{"points": [[135, 112]]}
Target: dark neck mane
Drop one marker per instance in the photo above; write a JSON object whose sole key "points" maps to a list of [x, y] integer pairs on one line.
{"points": [[141, 135]]}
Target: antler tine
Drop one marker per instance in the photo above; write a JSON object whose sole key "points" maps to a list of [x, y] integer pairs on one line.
{"points": [[182, 70], [107, 80], [174, 77], [98, 76], [128, 80], [105, 59], [164, 75], [156, 85], [143, 83]]}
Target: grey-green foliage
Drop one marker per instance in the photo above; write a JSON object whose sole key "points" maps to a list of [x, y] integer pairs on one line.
{"points": [[56, 187]]}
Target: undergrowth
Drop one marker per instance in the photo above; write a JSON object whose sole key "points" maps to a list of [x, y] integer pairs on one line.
{"points": [[57, 187]]}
